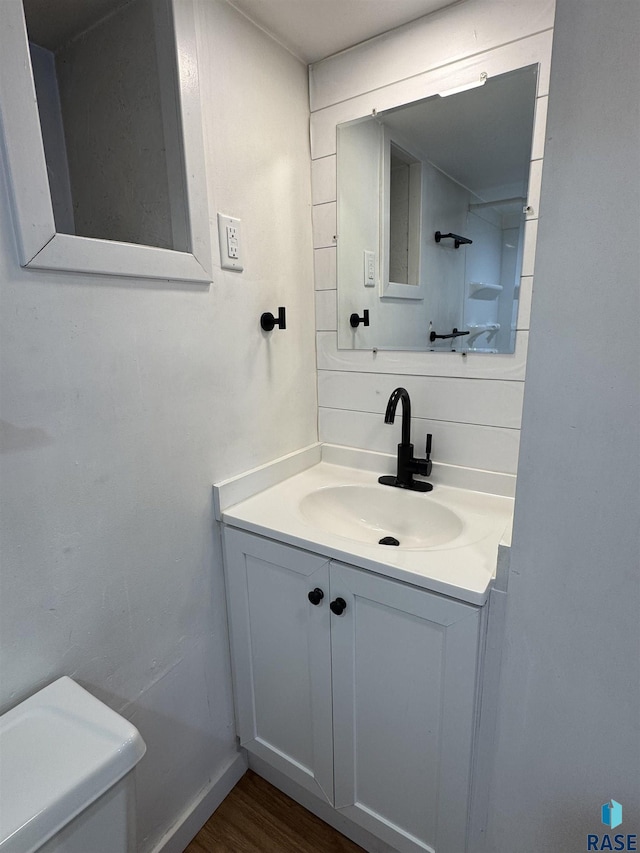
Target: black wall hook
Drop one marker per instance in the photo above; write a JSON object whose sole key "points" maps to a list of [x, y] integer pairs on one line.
{"points": [[355, 321], [458, 240], [454, 334], [268, 321]]}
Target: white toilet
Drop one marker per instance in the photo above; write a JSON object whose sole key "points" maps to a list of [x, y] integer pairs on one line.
{"points": [[65, 774]]}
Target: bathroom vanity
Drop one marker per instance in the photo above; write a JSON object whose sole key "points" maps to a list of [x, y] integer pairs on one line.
{"points": [[357, 666]]}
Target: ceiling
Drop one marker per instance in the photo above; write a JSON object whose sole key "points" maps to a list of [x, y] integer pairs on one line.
{"points": [[310, 29], [314, 29]]}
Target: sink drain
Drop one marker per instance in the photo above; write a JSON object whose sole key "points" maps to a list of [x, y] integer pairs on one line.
{"points": [[388, 540]]}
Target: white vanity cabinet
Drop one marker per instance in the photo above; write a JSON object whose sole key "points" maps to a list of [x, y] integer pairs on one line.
{"points": [[372, 709], [281, 657]]}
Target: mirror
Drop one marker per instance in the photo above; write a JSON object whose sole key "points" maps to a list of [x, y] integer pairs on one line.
{"points": [[102, 135], [431, 211], [114, 168]]}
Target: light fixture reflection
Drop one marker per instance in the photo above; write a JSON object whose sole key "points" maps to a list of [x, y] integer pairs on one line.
{"points": [[465, 86]]}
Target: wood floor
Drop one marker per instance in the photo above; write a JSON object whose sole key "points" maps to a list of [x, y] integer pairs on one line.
{"points": [[257, 818]]}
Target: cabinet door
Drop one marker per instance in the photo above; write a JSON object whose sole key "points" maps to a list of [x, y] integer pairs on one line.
{"points": [[404, 680], [281, 657]]}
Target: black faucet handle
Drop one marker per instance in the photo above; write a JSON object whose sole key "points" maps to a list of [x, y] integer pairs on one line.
{"points": [[429, 464]]}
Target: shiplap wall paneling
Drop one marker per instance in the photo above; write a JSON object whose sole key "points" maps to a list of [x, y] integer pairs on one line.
{"points": [[324, 268], [469, 445], [470, 401], [326, 318], [455, 32], [323, 180], [524, 308], [533, 194], [539, 127], [324, 225], [529, 248]]}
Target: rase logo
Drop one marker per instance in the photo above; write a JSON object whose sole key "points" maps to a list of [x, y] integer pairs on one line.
{"points": [[611, 816]]}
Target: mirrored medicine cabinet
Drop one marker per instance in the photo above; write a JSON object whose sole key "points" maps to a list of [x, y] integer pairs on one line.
{"points": [[101, 132], [432, 201]]}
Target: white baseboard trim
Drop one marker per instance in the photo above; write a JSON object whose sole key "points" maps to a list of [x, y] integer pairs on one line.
{"points": [[198, 812]]}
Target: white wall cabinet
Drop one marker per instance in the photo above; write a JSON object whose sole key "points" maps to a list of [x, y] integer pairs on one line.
{"points": [[373, 709]]}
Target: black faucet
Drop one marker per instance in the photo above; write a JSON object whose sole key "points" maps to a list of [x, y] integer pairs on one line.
{"points": [[407, 465]]}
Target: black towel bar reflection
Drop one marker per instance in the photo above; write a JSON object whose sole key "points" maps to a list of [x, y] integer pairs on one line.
{"points": [[453, 334], [458, 240], [268, 321], [355, 321]]}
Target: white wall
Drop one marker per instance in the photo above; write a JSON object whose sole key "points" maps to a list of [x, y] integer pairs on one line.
{"points": [[122, 401], [569, 722], [471, 404]]}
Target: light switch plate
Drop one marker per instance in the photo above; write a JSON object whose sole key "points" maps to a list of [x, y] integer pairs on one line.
{"points": [[230, 239], [369, 268]]}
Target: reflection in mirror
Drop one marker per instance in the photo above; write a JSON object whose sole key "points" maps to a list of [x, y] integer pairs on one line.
{"points": [[107, 92], [458, 165], [401, 220], [399, 216]]}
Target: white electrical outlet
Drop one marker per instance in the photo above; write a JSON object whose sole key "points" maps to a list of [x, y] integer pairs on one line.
{"points": [[230, 239], [233, 246]]}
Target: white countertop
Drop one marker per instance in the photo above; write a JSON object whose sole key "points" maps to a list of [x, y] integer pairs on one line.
{"points": [[462, 568]]}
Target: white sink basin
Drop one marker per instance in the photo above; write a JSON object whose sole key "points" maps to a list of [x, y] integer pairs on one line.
{"points": [[368, 513], [448, 538]]}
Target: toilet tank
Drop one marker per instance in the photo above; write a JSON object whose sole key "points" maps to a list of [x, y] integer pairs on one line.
{"points": [[65, 774]]}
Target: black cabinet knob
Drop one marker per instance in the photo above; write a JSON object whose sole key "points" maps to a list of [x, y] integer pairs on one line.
{"points": [[316, 595], [338, 606]]}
